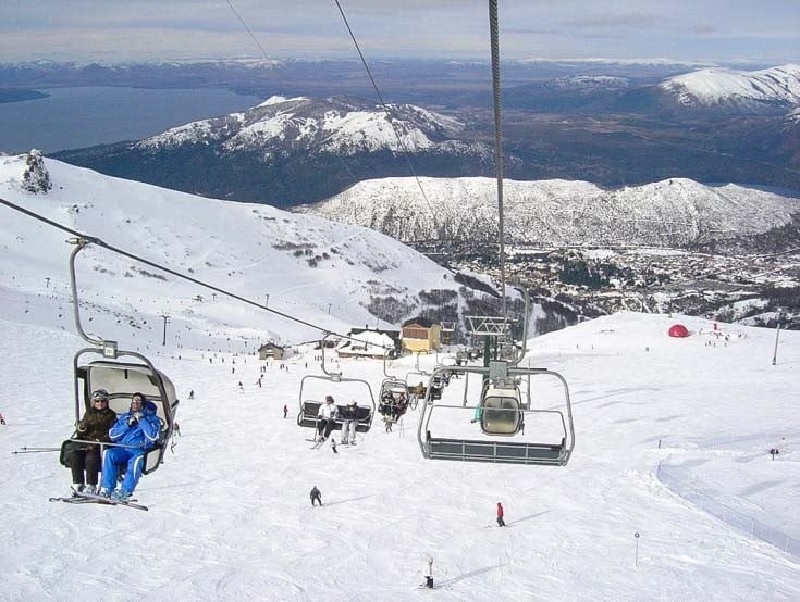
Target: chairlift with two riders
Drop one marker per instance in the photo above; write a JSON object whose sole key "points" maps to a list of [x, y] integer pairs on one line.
{"points": [[309, 405], [121, 378]]}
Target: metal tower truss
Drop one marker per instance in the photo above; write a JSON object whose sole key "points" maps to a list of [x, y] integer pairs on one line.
{"points": [[491, 326]]}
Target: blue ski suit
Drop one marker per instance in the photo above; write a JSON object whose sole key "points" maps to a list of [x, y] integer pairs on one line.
{"points": [[139, 435]]}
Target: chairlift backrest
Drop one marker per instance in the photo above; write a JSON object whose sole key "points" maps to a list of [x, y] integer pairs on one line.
{"points": [[501, 414], [122, 380]]}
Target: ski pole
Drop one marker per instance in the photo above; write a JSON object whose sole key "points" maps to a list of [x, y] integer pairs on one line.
{"points": [[35, 450]]}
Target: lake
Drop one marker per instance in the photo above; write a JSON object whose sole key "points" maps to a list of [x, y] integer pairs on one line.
{"points": [[88, 116]]}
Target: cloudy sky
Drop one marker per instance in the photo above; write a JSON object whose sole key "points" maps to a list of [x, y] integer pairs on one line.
{"points": [[722, 31]]}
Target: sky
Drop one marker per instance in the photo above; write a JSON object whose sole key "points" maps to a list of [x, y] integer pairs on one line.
{"points": [[712, 31], [671, 492]]}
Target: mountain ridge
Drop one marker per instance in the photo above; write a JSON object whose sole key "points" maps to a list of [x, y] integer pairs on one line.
{"points": [[772, 90], [673, 213], [610, 130]]}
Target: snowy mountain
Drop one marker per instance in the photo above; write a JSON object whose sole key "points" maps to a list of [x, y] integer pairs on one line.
{"points": [[557, 212], [288, 151], [285, 125], [300, 264], [769, 91]]}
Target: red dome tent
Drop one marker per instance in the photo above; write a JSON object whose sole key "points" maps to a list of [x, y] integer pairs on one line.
{"points": [[678, 331]]}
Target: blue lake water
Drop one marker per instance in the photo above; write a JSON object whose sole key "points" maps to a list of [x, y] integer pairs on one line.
{"points": [[81, 117]]}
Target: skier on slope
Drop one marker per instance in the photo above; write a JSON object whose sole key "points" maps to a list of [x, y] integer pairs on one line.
{"points": [[315, 496], [427, 572], [500, 512]]}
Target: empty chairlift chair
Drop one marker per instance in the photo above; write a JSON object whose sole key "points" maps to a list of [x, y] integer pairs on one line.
{"points": [[502, 410]]}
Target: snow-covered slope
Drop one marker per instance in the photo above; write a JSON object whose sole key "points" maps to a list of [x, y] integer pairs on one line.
{"points": [[299, 264], [671, 493], [558, 212], [777, 87]]}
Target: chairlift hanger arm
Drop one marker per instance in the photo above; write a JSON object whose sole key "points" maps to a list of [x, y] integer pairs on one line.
{"points": [[80, 244]]}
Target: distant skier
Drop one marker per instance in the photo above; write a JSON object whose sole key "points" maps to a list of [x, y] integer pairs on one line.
{"points": [[315, 496], [285, 410], [428, 573], [191, 394], [500, 521], [2, 420]]}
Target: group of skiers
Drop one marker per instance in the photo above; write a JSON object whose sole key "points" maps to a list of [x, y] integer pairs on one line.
{"points": [[134, 432]]}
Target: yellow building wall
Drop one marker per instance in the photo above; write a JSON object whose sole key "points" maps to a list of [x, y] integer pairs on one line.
{"points": [[415, 345], [432, 342]]}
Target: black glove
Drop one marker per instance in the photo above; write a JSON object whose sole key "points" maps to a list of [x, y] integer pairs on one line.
{"points": [[133, 420]]}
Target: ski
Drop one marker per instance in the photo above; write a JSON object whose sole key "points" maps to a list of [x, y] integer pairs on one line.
{"points": [[107, 500], [71, 500]]}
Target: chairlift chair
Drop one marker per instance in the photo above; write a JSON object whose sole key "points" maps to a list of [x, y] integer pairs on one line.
{"points": [[391, 389], [414, 378], [309, 408], [502, 410], [122, 378], [436, 385]]}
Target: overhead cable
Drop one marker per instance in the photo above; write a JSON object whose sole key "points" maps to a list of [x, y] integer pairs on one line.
{"points": [[385, 107], [101, 243]]}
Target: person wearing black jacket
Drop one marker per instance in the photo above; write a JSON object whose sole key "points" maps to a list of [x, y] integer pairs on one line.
{"points": [[85, 459], [350, 421]]}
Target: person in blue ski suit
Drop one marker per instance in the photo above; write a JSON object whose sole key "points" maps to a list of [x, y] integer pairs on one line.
{"points": [[138, 430]]}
